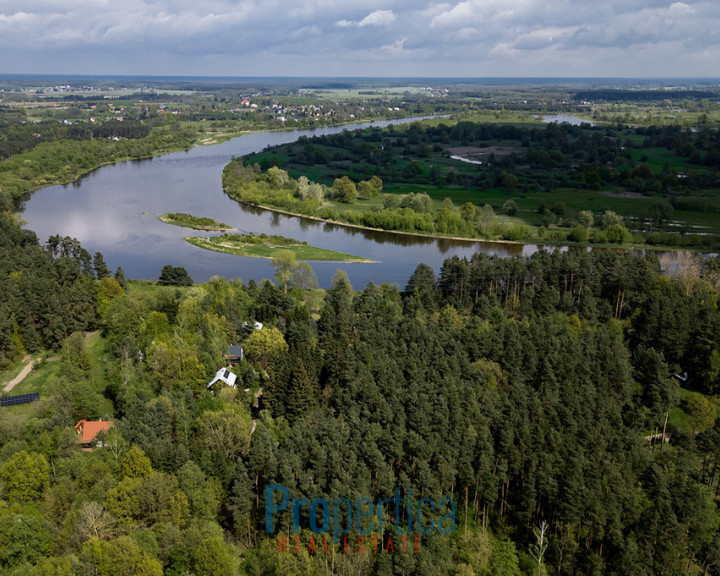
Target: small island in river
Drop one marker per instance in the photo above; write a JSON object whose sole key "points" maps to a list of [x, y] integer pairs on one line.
{"points": [[265, 246], [194, 222]]}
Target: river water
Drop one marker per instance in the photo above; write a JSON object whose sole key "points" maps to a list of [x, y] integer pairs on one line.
{"points": [[114, 210], [565, 118]]}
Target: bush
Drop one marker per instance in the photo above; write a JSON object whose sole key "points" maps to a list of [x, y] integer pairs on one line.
{"points": [[618, 234], [516, 232], [510, 207], [578, 234]]}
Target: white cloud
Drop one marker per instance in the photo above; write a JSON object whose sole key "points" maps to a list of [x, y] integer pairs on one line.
{"points": [[447, 37], [378, 18], [680, 9], [460, 14], [396, 47]]}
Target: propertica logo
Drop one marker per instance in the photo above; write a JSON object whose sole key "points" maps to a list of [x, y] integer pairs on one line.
{"points": [[364, 520]]}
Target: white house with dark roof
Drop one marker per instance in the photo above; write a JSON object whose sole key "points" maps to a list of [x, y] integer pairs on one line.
{"points": [[223, 375]]}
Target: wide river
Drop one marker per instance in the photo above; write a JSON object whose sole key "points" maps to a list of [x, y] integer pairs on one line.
{"points": [[114, 210]]}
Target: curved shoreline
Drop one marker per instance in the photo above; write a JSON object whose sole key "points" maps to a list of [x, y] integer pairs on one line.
{"points": [[400, 232], [64, 181], [539, 243]]}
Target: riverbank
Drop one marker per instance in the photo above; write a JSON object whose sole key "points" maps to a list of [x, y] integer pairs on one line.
{"points": [[66, 161], [535, 241], [264, 246]]}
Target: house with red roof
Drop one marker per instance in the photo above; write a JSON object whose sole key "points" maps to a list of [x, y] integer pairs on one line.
{"points": [[87, 430]]}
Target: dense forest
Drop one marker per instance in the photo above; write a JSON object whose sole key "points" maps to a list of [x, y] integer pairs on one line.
{"points": [[47, 294], [520, 388], [586, 155]]}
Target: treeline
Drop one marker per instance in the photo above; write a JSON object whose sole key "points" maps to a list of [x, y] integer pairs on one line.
{"points": [[701, 147], [277, 189], [520, 388], [17, 134], [47, 294], [644, 95], [529, 158], [415, 212], [66, 160]]}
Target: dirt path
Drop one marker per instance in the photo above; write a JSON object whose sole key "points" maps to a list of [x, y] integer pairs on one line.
{"points": [[20, 377], [31, 364], [256, 405]]}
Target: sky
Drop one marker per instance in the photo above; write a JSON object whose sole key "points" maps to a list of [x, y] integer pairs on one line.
{"points": [[370, 38]]}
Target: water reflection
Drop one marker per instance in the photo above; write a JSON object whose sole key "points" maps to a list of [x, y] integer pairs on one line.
{"points": [[114, 210]]}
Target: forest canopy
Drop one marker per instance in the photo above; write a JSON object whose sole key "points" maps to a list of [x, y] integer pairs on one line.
{"points": [[522, 388]]}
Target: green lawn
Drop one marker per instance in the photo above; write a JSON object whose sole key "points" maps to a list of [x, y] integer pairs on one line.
{"points": [[42, 376], [657, 158], [7, 375]]}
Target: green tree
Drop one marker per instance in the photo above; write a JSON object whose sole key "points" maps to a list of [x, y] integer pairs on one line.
{"points": [[203, 499], [76, 360], [469, 212], [486, 215], [365, 189], [341, 279], [377, 185], [610, 218], [559, 209], [121, 557], [585, 218], [134, 464], [108, 288], [504, 560], [213, 557], [174, 276], [548, 218], [263, 346], [345, 190], [510, 182], [26, 476], [54, 566], [711, 374], [303, 277], [227, 431], [283, 262], [277, 177], [101, 269], [618, 234], [510, 207], [702, 411], [24, 538], [122, 500], [578, 234], [120, 276]]}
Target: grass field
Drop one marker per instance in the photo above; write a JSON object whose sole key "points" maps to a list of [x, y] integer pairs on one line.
{"points": [[42, 377]]}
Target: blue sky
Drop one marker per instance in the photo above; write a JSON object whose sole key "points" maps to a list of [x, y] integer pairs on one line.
{"points": [[472, 38]]}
